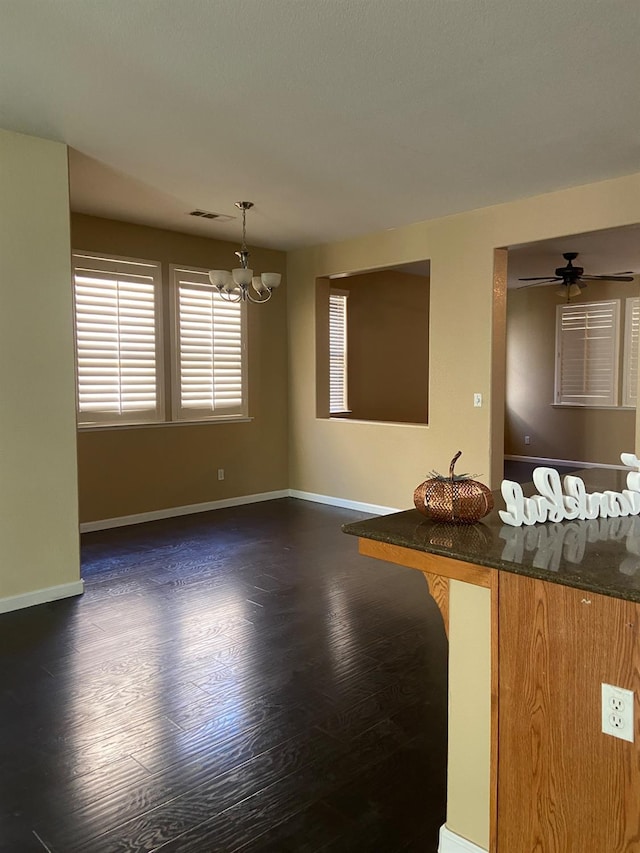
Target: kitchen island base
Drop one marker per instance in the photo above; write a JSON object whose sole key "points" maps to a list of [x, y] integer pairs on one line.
{"points": [[525, 740]]}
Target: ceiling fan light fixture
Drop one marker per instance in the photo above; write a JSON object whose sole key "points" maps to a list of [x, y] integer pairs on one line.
{"points": [[569, 291]]}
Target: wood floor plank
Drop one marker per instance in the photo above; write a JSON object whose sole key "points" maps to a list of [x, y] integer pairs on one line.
{"points": [[308, 831], [238, 824], [239, 680]]}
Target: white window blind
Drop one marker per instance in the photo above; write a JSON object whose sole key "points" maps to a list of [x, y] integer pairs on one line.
{"points": [[210, 364], [631, 333], [118, 347], [337, 352], [587, 341]]}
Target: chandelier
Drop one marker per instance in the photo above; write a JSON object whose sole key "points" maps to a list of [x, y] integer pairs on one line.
{"points": [[234, 286]]}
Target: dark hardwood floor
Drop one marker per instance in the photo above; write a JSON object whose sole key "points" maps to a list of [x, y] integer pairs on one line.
{"points": [[519, 471], [239, 680]]}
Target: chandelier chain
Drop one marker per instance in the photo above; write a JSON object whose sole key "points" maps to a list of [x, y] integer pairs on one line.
{"points": [[244, 229]]}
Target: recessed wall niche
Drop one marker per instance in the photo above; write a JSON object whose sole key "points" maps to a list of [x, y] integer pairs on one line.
{"points": [[386, 354]]}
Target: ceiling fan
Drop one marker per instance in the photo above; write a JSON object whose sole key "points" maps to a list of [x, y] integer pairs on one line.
{"points": [[572, 279]]}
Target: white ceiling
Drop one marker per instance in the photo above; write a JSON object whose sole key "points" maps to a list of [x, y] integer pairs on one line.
{"points": [[336, 117]]}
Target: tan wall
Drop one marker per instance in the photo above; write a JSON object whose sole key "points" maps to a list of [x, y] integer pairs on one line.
{"points": [[124, 471], [468, 777], [586, 435], [38, 487], [388, 346], [382, 463]]}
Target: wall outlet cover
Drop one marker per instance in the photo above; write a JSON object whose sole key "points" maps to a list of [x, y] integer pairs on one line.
{"points": [[618, 712]]}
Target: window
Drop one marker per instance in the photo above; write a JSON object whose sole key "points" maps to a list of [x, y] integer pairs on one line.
{"points": [[587, 340], [118, 340], [209, 353], [631, 330], [120, 356], [338, 352]]}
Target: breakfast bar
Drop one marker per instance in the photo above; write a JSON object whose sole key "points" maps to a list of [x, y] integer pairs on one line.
{"points": [[538, 618]]}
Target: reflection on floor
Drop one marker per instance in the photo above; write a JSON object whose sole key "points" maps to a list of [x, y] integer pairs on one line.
{"points": [[239, 680]]}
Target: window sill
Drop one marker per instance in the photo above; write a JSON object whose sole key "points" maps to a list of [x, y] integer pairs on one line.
{"points": [[586, 406], [240, 419], [410, 424]]}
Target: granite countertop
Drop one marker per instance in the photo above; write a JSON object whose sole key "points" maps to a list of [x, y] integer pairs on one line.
{"points": [[601, 555]]}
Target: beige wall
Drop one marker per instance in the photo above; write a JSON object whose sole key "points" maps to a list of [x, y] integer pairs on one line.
{"points": [[468, 777], [388, 346], [38, 488], [587, 435], [382, 463], [127, 471]]}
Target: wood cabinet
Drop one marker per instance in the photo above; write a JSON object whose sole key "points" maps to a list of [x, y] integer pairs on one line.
{"points": [[558, 784], [563, 786]]}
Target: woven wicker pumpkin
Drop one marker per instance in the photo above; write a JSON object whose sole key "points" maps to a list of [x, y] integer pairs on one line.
{"points": [[455, 498]]}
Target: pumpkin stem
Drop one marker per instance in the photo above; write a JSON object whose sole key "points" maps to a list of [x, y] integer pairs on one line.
{"points": [[453, 462]]}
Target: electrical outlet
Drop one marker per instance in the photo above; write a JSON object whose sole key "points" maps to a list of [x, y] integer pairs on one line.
{"points": [[477, 400], [221, 473], [527, 439], [618, 718]]}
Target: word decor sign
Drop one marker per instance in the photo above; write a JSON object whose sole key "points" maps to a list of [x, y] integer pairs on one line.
{"points": [[552, 504]]}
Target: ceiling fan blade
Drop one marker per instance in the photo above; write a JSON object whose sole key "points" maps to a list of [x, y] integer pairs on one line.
{"points": [[541, 278], [538, 282], [607, 277]]}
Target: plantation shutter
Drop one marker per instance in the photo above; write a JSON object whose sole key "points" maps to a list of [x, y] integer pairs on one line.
{"points": [[587, 353], [210, 370], [632, 329], [117, 340], [337, 352]]}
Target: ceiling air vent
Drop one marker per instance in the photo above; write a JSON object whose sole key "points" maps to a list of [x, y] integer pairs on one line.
{"points": [[205, 214]]}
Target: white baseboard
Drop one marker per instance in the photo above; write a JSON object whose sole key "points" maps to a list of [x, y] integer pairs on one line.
{"points": [[452, 843], [174, 511], [67, 590], [543, 460], [41, 596], [374, 509]]}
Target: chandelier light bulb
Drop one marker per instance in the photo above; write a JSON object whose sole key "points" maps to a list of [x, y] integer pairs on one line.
{"points": [[218, 278], [242, 276], [270, 280]]}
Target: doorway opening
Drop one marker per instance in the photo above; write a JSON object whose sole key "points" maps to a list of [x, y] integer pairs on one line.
{"points": [[571, 352]]}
